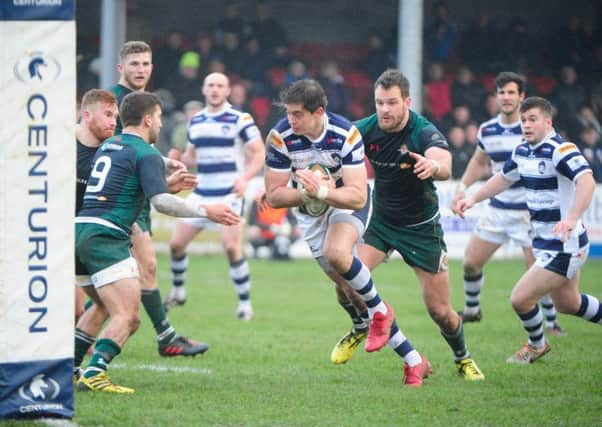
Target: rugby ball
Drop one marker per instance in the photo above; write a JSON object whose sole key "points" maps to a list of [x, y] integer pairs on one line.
{"points": [[313, 206]]}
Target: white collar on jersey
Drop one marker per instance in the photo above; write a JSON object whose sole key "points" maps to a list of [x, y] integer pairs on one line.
{"points": [[218, 112], [321, 137]]}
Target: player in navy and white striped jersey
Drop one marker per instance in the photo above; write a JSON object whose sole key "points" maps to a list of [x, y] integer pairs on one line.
{"points": [[506, 218], [560, 187], [309, 134], [219, 137]]}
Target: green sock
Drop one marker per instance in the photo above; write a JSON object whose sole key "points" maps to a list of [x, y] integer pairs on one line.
{"points": [[151, 300], [104, 351], [88, 304], [83, 342], [456, 342]]}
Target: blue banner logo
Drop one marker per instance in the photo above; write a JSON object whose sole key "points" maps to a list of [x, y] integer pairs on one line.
{"points": [[37, 68]]}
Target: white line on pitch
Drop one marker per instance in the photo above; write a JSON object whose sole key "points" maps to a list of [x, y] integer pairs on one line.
{"points": [[163, 368]]}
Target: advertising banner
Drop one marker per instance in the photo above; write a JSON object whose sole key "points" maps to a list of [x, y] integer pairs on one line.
{"points": [[37, 183]]}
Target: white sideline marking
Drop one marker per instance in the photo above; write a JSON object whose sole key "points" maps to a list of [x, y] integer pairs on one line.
{"points": [[56, 422], [163, 368]]}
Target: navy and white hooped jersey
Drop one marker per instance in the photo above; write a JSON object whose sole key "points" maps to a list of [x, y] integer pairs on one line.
{"points": [[219, 139], [339, 146], [548, 171], [498, 141]]}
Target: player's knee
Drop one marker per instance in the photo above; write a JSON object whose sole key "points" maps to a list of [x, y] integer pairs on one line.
{"points": [[338, 259], [471, 269], [148, 269], [176, 248]]}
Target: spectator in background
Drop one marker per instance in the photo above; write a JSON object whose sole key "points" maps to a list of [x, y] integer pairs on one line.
{"points": [[179, 136], [186, 85], [216, 65], [267, 30], [230, 54], [204, 47], [333, 84], [238, 97], [273, 228], [590, 146], [519, 51], [166, 58], [460, 116], [441, 35], [492, 107], [257, 63], [232, 22], [296, 71], [461, 152], [377, 60], [465, 90], [438, 92], [569, 95], [169, 119], [585, 118], [479, 45]]}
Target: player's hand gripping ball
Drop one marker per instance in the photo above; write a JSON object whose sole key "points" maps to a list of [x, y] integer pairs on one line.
{"points": [[313, 206]]}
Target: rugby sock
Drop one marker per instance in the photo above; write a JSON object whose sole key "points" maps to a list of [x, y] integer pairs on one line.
{"points": [[533, 324], [549, 311], [400, 344], [472, 293], [151, 300], [456, 342], [590, 309], [360, 279], [88, 304], [178, 266], [104, 351], [240, 275], [83, 342], [360, 324]]}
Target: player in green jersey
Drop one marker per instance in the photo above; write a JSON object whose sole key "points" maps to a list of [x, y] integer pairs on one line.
{"points": [[408, 153], [126, 171], [135, 69]]}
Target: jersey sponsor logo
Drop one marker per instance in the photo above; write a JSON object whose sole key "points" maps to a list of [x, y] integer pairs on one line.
{"points": [[225, 129], [567, 148], [541, 167], [576, 163], [291, 142], [275, 140]]}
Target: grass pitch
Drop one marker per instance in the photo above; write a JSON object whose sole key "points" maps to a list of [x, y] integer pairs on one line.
{"points": [[276, 370]]}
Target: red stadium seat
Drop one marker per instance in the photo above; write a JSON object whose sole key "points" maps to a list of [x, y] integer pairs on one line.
{"points": [[261, 109]]}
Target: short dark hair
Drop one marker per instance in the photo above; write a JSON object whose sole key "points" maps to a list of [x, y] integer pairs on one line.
{"points": [[306, 92], [134, 46], [94, 96], [537, 102], [506, 77], [393, 77], [136, 105]]}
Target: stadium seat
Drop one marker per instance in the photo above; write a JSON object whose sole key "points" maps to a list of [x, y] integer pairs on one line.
{"points": [[261, 106]]}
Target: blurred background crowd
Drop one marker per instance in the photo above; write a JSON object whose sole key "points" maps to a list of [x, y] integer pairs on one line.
{"points": [[561, 59]]}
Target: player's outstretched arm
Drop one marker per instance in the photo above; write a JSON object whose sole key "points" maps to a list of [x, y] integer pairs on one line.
{"points": [[496, 184], [175, 206], [435, 164], [476, 168]]}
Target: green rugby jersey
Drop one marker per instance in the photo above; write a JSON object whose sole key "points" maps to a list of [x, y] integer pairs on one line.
{"points": [[120, 92], [400, 198], [126, 172]]}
